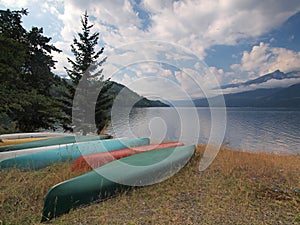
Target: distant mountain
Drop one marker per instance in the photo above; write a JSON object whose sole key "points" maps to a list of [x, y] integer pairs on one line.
{"points": [[276, 75], [273, 97], [287, 97], [127, 96]]}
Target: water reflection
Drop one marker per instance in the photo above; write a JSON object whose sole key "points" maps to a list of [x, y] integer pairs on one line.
{"points": [[250, 129]]}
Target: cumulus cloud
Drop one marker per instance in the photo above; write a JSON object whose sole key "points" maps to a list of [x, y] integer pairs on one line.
{"points": [[161, 61], [216, 22], [16, 3], [61, 57], [165, 89], [263, 59], [200, 85], [195, 25]]}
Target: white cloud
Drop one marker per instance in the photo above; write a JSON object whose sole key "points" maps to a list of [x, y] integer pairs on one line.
{"points": [[263, 59], [203, 23], [165, 89], [16, 3], [61, 57], [195, 25], [197, 84], [46, 7]]}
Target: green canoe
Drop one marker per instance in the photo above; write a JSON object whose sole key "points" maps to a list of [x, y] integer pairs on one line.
{"points": [[65, 153], [108, 180], [53, 141]]}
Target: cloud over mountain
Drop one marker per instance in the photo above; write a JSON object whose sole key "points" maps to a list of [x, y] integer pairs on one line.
{"points": [[264, 59], [194, 25]]}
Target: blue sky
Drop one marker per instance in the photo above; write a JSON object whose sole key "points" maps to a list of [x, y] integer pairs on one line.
{"points": [[195, 45]]}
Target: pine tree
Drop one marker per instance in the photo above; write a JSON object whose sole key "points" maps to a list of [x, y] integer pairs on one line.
{"points": [[86, 78], [11, 24], [39, 61], [25, 76]]}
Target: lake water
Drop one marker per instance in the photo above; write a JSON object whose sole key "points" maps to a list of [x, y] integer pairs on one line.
{"points": [[247, 129]]}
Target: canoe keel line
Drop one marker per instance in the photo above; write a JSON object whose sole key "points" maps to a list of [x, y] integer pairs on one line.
{"points": [[93, 161]]}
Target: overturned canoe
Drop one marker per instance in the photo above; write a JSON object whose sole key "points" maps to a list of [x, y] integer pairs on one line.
{"points": [[53, 141], [43, 159], [15, 153], [108, 180], [93, 161], [7, 142], [33, 135]]}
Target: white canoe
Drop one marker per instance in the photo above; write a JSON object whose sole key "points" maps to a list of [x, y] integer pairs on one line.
{"points": [[33, 135], [13, 154]]}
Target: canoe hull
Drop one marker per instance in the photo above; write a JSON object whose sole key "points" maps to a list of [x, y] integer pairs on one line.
{"points": [[8, 142], [53, 141], [41, 160], [15, 153], [110, 179], [33, 135], [90, 162]]}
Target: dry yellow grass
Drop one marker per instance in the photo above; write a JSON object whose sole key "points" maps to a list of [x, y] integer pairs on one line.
{"points": [[238, 188]]}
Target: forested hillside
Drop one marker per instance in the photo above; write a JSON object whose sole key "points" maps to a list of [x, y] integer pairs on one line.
{"points": [[32, 97]]}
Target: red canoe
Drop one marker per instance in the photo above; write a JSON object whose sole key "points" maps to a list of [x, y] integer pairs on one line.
{"points": [[88, 162]]}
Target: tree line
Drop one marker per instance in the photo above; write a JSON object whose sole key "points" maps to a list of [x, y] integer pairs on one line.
{"points": [[32, 97]]}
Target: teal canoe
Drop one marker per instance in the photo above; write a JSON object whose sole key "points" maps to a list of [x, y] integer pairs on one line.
{"points": [[106, 181], [43, 159], [53, 141]]}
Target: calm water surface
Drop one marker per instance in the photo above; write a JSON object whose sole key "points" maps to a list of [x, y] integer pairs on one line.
{"points": [[247, 129]]}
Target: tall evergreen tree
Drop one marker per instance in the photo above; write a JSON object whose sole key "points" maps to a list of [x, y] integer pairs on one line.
{"points": [[86, 78], [11, 24], [25, 76], [39, 61], [12, 58]]}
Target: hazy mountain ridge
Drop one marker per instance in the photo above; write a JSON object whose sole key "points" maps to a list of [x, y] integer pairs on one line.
{"points": [[273, 97], [261, 97], [126, 96], [276, 75]]}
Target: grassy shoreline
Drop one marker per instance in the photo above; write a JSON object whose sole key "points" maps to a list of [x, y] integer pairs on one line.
{"points": [[238, 188]]}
